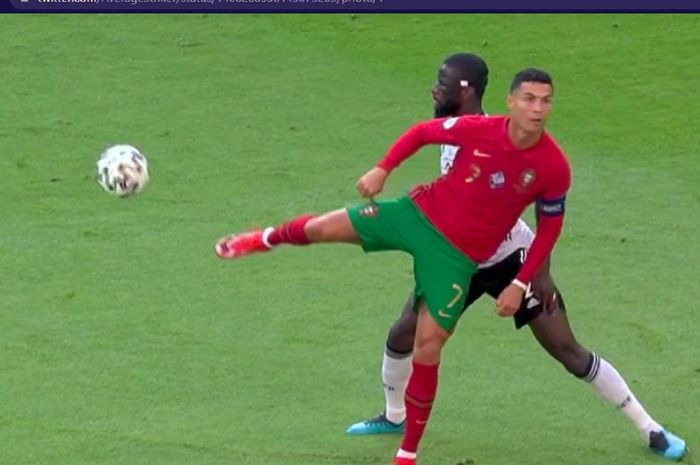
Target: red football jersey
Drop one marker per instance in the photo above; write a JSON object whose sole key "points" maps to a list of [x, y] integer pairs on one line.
{"points": [[490, 184]]}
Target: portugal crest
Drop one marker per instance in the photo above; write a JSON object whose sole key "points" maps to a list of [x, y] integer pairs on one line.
{"points": [[526, 179], [371, 210]]}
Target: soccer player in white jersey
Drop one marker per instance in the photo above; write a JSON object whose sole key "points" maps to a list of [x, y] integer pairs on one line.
{"points": [[460, 86]]}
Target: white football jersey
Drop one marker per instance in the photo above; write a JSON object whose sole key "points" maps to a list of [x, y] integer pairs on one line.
{"points": [[521, 236]]}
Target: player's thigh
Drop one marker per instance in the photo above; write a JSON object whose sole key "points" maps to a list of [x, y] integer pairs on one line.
{"points": [[551, 329], [430, 336], [532, 312], [554, 333], [387, 224], [442, 282]]}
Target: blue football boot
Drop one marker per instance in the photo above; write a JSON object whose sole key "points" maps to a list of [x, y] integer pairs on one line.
{"points": [[667, 445], [376, 425]]}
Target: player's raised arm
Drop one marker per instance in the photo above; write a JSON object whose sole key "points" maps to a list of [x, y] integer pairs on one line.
{"points": [[436, 131]]}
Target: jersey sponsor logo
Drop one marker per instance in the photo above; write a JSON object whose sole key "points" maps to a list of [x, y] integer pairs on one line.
{"points": [[479, 153], [551, 207], [450, 122], [475, 173], [497, 179]]}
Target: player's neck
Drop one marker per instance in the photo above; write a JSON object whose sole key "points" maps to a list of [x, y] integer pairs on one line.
{"points": [[471, 109], [522, 139]]}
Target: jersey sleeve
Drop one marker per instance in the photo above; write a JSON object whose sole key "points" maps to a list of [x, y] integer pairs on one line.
{"points": [[449, 131], [550, 206], [552, 201]]}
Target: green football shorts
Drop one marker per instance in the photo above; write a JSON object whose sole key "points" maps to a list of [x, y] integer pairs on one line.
{"points": [[442, 273]]}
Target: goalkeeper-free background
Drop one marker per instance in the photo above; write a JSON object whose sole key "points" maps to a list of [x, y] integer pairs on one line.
{"points": [[125, 341]]}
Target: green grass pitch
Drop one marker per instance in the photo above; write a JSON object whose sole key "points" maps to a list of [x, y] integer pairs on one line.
{"points": [[126, 342]]}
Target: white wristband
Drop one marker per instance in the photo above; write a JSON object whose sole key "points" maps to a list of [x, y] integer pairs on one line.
{"points": [[520, 284]]}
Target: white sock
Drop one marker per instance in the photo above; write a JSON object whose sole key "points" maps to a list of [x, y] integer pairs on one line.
{"points": [[405, 454], [612, 387], [396, 369], [266, 235]]}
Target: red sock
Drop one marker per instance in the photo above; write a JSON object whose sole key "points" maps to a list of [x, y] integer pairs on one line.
{"points": [[291, 232], [420, 393]]}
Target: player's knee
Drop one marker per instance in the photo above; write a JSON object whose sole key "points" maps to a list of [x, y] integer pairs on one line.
{"points": [[427, 348], [400, 336], [333, 226], [315, 229], [322, 228], [427, 352]]}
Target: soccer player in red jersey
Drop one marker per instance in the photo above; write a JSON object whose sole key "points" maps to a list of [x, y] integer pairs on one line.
{"points": [[450, 225], [461, 82]]}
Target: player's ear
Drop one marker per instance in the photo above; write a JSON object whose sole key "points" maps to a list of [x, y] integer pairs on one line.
{"points": [[466, 93], [510, 101]]}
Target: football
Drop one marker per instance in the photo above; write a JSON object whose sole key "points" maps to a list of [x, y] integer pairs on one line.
{"points": [[122, 170]]}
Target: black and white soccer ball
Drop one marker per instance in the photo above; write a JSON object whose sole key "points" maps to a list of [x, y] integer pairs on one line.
{"points": [[122, 170]]}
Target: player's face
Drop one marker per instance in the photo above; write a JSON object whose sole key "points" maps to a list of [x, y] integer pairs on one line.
{"points": [[530, 105], [446, 93]]}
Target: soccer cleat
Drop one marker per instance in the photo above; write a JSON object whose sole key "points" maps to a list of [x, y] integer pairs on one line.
{"points": [[239, 245], [377, 425], [667, 445]]}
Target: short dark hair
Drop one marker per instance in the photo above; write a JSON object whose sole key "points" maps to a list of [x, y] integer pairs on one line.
{"points": [[472, 68], [531, 75]]}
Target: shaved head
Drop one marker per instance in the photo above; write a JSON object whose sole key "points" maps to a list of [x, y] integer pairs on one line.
{"points": [[460, 86]]}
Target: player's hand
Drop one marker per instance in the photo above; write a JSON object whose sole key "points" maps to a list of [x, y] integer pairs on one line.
{"points": [[372, 182], [546, 292], [509, 300]]}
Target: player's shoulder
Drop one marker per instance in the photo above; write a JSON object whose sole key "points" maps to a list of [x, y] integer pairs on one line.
{"points": [[552, 147], [485, 121], [479, 123], [557, 164]]}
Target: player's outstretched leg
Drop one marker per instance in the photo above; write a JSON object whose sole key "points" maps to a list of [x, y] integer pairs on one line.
{"points": [[555, 335], [334, 226], [396, 369]]}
